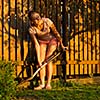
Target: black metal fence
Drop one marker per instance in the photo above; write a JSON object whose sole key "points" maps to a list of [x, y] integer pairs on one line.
{"points": [[78, 22]]}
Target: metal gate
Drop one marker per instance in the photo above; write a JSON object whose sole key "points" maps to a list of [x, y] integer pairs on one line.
{"points": [[78, 22]]}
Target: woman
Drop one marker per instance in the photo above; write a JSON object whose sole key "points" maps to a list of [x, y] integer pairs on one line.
{"points": [[46, 38]]}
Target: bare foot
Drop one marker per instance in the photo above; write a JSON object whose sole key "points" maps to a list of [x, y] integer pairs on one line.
{"points": [[40, 87]]}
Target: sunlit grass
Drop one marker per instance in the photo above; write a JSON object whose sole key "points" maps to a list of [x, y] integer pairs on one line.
{"points": [[63, 91]]}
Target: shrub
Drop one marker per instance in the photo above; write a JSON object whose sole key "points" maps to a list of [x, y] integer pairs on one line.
{"points": [[7, 83]]}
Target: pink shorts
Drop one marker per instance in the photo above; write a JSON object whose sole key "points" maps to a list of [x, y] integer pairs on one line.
{"points": [[50, 42]]}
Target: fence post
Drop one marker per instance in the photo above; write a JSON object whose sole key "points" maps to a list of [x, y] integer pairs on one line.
{"points": [[64, 36], [2, 30]]}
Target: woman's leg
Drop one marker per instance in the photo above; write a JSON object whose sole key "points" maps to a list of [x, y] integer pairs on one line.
{"points": [[42, 56], [42, 71], [51, 49]]}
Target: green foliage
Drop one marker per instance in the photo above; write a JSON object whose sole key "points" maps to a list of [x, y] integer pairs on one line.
{"points": [[7, 83]]}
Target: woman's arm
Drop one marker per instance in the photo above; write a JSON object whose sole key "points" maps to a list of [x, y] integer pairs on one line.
{"points": [[37, 46], [56, 33]]}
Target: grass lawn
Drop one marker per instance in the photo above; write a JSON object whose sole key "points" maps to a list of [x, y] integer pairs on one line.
{"points": [[60, 91]]}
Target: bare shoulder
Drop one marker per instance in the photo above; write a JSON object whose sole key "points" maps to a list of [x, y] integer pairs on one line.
{"points": [[48, 21]]}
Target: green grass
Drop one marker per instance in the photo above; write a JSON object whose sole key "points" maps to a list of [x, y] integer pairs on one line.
{"points": [[66, 91]]}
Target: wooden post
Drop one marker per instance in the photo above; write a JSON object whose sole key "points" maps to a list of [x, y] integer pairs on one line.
{"points": [[64, 36]]}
